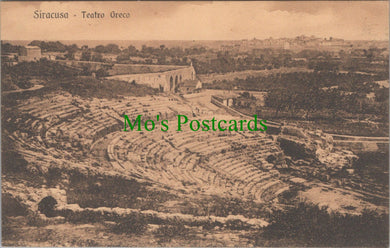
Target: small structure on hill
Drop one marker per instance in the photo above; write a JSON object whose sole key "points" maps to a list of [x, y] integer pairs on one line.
{"points": [[190, 86], [29, 53], [225, 100]]}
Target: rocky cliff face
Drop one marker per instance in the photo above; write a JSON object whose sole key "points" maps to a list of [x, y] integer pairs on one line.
{"points": [[311, 146]]}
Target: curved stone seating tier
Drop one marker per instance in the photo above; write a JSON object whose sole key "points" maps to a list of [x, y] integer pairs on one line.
{"points": [[65, 127], [147, 106], [213, 144], [180, 159], [59, 108]]}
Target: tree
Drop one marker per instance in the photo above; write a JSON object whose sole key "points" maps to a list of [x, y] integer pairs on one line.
{"points": [[8, 48], [69, 55], [97, 57], [278, 99], [86, 56], [132, 50], [308, 100], [101, 73], [100, 49], [112, 48]]}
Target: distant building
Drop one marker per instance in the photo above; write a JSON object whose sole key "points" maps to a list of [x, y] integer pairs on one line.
{"points": [[225, 100], [29, 53], [53, 55], [190, 85]]}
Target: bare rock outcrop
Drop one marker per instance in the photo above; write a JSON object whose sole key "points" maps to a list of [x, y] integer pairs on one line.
{"points": [[33, 198], [302, 145]]}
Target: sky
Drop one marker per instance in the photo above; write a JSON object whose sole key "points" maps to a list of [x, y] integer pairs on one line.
{"points": [[351, 20]]}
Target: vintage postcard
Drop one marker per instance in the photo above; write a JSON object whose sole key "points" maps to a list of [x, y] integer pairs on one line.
{"points": [[195, 123]]}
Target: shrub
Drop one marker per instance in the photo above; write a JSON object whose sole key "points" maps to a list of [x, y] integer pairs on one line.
{"points": [[166, 232], [108, 191], [35, 220], [315, 226], [78, 217], [133, 224], [11, 206], [13, 162], [236, 225]]}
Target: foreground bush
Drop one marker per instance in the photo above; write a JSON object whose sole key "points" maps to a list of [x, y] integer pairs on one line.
{"points": [[133, 224], [165, 233], [315, 226]]}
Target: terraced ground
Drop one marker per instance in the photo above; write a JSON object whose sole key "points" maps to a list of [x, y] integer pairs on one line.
{"points": [[202, 161], [223, 163]]}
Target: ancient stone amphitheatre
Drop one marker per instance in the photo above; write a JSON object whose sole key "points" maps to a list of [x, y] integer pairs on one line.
{"points": [[74, 150]]}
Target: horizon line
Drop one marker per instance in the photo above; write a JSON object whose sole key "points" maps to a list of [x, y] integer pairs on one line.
{"points": [[182, 40]]}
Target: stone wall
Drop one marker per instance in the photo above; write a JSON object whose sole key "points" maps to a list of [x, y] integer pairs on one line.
{"points": [[165, 81], [361, 144]]}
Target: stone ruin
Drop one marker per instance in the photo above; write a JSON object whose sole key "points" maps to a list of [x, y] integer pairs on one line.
{"points": [[308, 147]]}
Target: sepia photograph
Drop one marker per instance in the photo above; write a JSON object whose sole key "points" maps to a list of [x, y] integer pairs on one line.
{"points": [[194, 123]]}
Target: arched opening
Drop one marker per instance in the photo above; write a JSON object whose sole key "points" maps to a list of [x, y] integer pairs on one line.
{"points": [[171, 83], [180, 79], [176, 84], [47, 205]]}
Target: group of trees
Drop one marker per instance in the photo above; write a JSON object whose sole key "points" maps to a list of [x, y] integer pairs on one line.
{"points": [[96, 54], [349, 93], [257, 60], [89, 56], [344, 81], [163, 54], [44, 69], [207, 60], [57, 76], [313, 100], [314, 91], [9, 48], [57, 46], [110, 48], [311, 225], [20, 75], [52, 46]]}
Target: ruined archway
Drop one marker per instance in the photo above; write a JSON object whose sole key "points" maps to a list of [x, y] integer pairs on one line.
{"points": [[47, 206], [176, 84], [171, 83]]}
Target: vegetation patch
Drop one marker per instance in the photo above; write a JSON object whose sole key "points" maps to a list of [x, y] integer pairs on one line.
{"points": [[312, 225]]}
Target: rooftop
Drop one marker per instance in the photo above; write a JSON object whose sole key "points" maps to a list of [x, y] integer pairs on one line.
{"points": [[190, 83], [227, 96]]}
